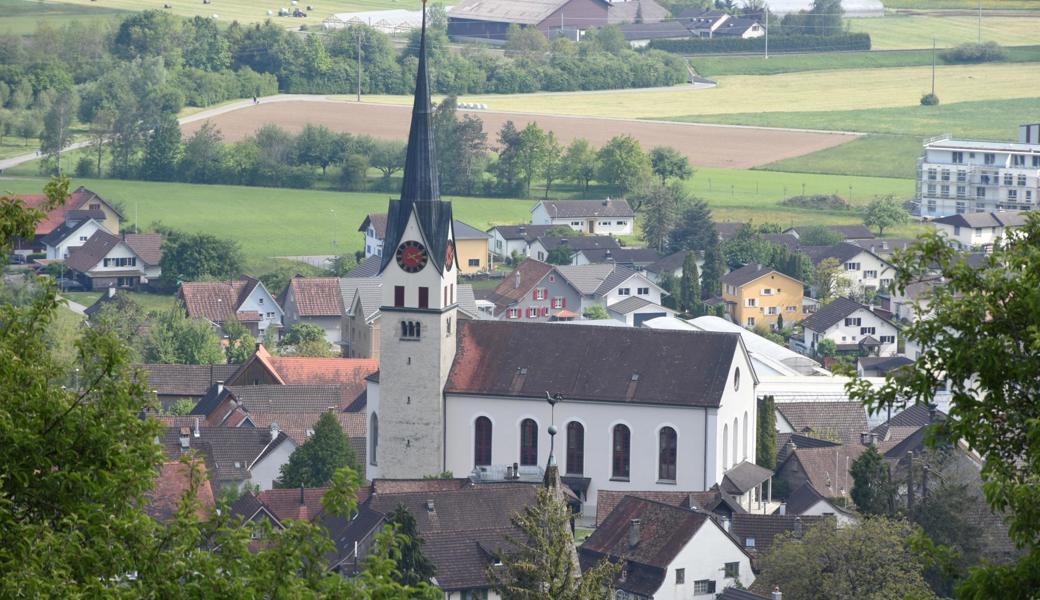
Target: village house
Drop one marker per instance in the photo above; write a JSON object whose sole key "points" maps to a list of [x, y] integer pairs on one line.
{"points": [[671, 265], [471, 244], [489, 20], [762, 296], [853, 327], [105, 260], [535, 291], [607, 284], [505, 241], [238, 456], [541, 248], [756, 532], [806, 501], [667, 552], [862, 270], [636, 259], [82, 204], [979, 231], [722, 506], [848, 233], [839, 422], [314, 301], [245, 300], [171, 383], [362, 297], [594, 217], [78, 227], [635, 311]]}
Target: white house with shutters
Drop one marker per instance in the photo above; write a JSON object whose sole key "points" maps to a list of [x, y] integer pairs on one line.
{"points": [[600, 217], [853, 327], [860, 268]]}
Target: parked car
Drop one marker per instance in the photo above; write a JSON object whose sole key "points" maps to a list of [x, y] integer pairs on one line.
{"points": [[69, 285]]}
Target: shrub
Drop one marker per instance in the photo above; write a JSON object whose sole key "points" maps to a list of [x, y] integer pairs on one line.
{"points": [[974, 53], [929, 100], [85, 167], [819, 201], [780, 43]]}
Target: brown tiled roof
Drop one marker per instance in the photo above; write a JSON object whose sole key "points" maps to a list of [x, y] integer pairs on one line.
{"points": [[348, 373], [461, 561], [608, 499], [300, 426], [748, 273], [76, 201], [827, 469], [294, 398], [511, 289], [297, 504], [216, 301], [231, 450], [413, 486], [147, 246], [678, 368], [316, 296], [837, 421], [86, 257], [172, 482], [185, 380], [377, 221], [800, 441], [765, 528], [475, 506]]}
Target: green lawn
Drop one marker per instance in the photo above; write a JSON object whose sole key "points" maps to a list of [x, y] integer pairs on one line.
{"points": [[251, 11], [962, 4], [872, 155], [899, 32], [149, 302], [714, 66], [991, 119], [266, 221], [21, 17]]}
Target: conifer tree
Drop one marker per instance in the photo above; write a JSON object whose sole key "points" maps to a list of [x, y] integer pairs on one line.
{"points": [[714, 269], [315, 462], [414, 566]]}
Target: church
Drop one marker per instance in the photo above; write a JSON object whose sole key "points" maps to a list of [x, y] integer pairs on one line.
{"points": [[633, 409]]}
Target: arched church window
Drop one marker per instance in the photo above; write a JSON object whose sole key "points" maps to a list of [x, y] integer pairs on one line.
{"points": [[725, 447], [666, 454], [404, 328], [373, 433], [736, 441], [418, 329], [622, 444], [575, 448], [528, 442], [482, 442]]}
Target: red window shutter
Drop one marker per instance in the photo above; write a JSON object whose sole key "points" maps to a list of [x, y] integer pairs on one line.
{"points": [[545, 312], [534, 294], [564, 302]]}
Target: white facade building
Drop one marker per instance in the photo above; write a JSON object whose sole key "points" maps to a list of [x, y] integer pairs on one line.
{"points": [[851, 326], [861, 269], [602, 217], [960, 176], [63, 239], [979, 231]]}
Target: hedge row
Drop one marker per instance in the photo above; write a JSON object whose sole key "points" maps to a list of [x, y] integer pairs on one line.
{"points": [[777, 43]]}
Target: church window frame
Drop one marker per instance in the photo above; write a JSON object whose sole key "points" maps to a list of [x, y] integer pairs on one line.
{"points": [[575, 448], [424, 297], [373, 428], [621, 452], [528, 442], [667, 454], [483, 436]]}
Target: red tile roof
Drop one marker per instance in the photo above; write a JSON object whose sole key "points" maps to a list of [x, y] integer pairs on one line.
{"points": [[171, 483], [147, 246], [56, 217], [316, 296], [217, 301], [299, 504], [349, 373], [519, 283]]}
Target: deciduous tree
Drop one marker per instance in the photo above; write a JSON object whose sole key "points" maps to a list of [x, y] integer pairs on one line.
{"points": [[582, 163], [173, 338], [884, 212], [623, 164], [668, 163], [304, 339], [194, 256], [314, 463], [162, 150]]}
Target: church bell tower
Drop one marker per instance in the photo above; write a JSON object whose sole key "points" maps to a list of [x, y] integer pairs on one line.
{"points": [[418, 316]]}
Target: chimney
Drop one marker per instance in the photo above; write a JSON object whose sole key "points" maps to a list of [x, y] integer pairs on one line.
{"points": [[185, 438], [691, 502], [111, 291], [633, 533], [777, 594], [933, 412], [509, 472], [274, 431], [516, 280], [220, 387], [606, 202], [783, 509], [516, 471], [798, 526], [430, 507], [195, 431]]}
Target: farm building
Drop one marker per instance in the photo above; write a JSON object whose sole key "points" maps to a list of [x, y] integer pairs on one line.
{"points": [[489, 20], [392, 22]]}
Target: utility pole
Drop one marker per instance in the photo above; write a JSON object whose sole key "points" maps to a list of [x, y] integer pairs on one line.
{"points": [[765, 13], [933, 66], [980, 22]]}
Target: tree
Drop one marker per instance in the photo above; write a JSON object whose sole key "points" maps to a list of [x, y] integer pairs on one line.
{"points": [[714, 269], [240, 343], [872, 487], [195, 256], [28, 126], [690, 286], [531, 153], [57, 126], [507, 169], [884, 212], [162, 150], [542, 564], [581, 163], [694, 229], [315, 462], [461, 148], [354, 175], [318, 146], [660, 205], [667, 162], [388, 156], [173, 338], [623, 164], [204, 45], [304, 339], [561, 255], [765, 448], [818, 235], [526, 42], [552, 163], [596, 313], [746, 247], [829, 280], [202, 160], [415, 568], [872, 560], [827, 348], [981, 334], [100, 132], [610, 39]]}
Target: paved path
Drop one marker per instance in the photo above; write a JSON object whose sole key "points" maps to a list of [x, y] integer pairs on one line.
{"points": [[75, 307]]}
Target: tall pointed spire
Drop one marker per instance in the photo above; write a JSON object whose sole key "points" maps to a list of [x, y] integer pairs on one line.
{"points": [[421, 183]]}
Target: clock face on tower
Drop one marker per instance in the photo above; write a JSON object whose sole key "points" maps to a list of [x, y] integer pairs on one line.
{"points": [[449, 257], [411, 257]]}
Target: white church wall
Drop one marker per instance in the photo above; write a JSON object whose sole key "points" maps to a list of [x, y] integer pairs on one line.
{"points": [[738, 403]]}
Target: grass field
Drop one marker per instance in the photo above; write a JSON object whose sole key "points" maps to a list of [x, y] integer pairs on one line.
{"points": [[993, 119], [713, 66], [849, 89], [149, 302], [963, 4], [898, 32], [20, 17], [872, 155], [246, 11]]}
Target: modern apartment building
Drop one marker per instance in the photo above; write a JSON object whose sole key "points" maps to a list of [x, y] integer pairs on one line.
{"points": [[958, 176]]}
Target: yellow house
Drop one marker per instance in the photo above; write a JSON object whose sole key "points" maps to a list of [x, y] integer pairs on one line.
{"points": [[757, 295], [471, 245]]}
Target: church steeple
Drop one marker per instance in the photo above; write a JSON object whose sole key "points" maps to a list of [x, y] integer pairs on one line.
{"points": [[420, 191], [420, 170]]}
